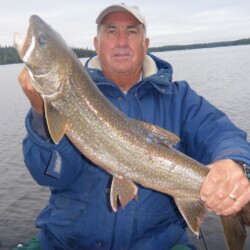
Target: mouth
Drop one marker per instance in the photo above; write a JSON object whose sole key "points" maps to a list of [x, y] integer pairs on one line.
{"points": [[18, 42], [121, 56], [121, 52], [24, 44]]}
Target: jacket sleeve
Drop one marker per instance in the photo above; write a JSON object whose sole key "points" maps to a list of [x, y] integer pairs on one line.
{"points": [[50, 164], [209, 134]]}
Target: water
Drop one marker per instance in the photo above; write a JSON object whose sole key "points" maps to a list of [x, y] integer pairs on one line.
{"points": [[219, 74], [21, 198]]}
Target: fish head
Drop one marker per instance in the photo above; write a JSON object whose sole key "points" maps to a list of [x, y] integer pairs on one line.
{"points": [[43, 51]]}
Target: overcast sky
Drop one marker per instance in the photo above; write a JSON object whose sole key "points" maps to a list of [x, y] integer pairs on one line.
{"points": [[169, 21]]}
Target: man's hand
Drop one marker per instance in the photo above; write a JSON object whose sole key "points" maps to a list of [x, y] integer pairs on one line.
{"points": [[226, 189], [35, 99]]}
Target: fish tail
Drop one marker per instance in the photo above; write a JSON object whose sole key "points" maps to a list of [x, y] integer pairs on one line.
{"points": [[234, 228]]}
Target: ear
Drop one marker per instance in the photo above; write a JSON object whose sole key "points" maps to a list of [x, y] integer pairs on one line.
{"points": [[96, 44], [146, 44]]}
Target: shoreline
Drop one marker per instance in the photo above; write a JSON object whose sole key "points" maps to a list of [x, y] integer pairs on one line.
{"points": [[8, 54]]}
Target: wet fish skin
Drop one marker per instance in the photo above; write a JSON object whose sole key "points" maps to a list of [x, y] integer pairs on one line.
{"points": [[130, 150]]}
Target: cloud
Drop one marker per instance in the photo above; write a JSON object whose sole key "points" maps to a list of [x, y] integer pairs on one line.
{"points": [[169, 22]]}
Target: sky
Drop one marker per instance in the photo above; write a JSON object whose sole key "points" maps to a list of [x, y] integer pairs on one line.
{"points": [[169, 22]]}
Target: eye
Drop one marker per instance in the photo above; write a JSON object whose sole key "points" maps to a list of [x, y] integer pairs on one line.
{"points": [[132, 31], [42, 39], [112, 31]]}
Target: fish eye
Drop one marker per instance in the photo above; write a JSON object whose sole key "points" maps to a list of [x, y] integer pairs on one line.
{"points": [[41, 39]]}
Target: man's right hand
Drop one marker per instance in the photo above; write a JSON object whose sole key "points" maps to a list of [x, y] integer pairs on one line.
{"points": [[35, 99]]}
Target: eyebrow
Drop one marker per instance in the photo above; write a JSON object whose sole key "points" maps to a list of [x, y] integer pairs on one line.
{"points": [[129, 26]]}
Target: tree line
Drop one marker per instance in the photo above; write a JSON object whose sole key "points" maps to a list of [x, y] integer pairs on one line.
{"points": [[9, 55], [245, 41]]}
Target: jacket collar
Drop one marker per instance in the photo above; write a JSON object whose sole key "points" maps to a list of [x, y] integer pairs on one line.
{"points": [[156, 72], [148, 68]]}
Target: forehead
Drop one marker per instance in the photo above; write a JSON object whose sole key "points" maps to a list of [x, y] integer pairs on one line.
{"points": [[120, 17]]}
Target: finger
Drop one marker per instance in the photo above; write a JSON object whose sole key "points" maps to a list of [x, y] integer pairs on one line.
{"points": [[24, 80], [221, 201], [236, 207], [225, 191], [23, 77], [34, 97], [242, 197], [220, 181], [212, 184], [218, 202]]}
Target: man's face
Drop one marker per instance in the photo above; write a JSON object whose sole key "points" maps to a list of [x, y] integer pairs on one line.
{"points": [[121, 44]]}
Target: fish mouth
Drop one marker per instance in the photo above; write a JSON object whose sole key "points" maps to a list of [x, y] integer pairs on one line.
{"points": [[23, 43], [19, 42]]}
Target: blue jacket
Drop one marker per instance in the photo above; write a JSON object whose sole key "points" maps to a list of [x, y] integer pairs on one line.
{"points": [[79, 216]]}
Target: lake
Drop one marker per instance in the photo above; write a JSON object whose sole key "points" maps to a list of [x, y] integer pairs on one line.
{"points": [[221, 75]]}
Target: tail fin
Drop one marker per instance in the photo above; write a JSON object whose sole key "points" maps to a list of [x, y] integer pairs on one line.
{"points": [[245, 213], [234, 228]]}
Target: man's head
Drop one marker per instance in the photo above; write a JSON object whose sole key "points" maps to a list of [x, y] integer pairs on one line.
{"points": [[121, 41], [132, 9]]}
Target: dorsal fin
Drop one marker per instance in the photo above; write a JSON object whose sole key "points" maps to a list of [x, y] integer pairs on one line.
{"points": [[159, 134]]}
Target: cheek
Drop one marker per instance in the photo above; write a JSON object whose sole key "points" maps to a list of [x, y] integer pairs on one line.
{"points": [[104, 50], [104, 55], [140, 51], [139, 47]]}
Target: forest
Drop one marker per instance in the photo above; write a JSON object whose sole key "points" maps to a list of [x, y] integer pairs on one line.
{"points": [[245, 41], [9, 55]]}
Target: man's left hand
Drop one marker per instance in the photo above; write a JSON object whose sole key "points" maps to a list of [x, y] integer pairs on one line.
{"points": [[226, 189]]}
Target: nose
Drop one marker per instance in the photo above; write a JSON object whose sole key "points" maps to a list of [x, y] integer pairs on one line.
{"points": [[122, 38]]}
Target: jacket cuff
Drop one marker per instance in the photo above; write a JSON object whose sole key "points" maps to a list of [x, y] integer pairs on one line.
{"points": [[33, 131], [54, 167], [245, 168], [39, 124]]}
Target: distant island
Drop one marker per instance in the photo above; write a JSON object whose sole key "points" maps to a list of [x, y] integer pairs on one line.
{"points": [[8, 54], [244, 41]]}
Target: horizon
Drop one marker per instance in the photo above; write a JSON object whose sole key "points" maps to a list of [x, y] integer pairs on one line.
{"points": [[167, 45]]}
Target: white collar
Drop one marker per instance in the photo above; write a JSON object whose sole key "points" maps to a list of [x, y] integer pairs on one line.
{"points": [[148, 67]]}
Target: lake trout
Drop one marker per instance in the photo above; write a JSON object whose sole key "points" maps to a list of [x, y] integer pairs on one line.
{"points": [[131, 151]]}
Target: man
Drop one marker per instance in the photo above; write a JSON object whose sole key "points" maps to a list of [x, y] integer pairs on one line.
{"points": [[78, 215]]}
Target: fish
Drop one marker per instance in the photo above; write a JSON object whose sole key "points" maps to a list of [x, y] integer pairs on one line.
{"points": [[133, 152]]}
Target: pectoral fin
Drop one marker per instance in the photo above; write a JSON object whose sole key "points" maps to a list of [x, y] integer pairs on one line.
{"points": [[57, 123], [193, 211], [125, 190]]}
